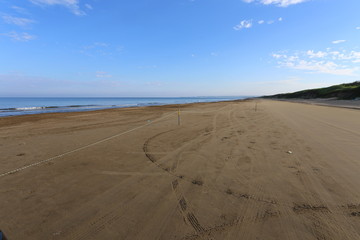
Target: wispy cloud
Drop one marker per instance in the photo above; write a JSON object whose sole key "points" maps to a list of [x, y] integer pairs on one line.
{"points": [[100, 49], [21, 37], [88, 6], [102, 74], [97, 45], [249, 23], [279, 3], [358, 28], [338, 41], [147, 67], [72, 5], [319, 54], [20, 10], [17, 20], [243, 24], [328, 62]]}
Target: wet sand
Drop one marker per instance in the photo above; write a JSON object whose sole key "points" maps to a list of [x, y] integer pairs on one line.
{"points": [[284, 171]]}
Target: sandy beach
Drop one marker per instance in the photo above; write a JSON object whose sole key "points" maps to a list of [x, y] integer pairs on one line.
{"points": [[354, 104], [256, 169]]}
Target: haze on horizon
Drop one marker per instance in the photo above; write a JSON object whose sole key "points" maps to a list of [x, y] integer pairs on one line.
{"points": [[176, 48]]}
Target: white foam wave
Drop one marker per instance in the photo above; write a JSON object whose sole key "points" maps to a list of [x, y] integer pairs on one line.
{"points": [[29, 108]]}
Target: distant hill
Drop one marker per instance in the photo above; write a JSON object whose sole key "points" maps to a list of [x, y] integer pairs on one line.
{"points": [[346, 91]]}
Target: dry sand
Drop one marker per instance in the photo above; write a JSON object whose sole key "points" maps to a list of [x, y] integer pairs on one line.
{"points": [[225, 173], [355, 104]]}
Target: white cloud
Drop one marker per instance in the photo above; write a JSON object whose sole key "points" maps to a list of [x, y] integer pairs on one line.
{"points": [[352, 56], [243, 24], [338, 41], [88, 6], [279, 3], [358, 28], [20, 10], [249, 23], [147, 67], [21, 37], [17, 20], [278, 56], [322, 67], [96, 45], [98, 49], [318, 54], [328, 62], [73, 5], [101, 74]]}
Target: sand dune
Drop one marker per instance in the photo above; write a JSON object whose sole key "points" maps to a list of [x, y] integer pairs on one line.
{"points": [[284, 171]]}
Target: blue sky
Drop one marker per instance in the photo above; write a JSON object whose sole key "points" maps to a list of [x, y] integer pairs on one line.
{"points": [[176, 48]]}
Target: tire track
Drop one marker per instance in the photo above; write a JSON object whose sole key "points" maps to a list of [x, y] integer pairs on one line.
{"points": [[270, 208], [82, 148], [186, 209]]}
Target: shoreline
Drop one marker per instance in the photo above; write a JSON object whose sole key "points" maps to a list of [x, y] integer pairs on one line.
{"points": [[65, 113], [93, 104]]}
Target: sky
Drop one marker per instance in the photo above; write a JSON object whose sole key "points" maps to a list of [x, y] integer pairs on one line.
{"points": [[176, 48]]}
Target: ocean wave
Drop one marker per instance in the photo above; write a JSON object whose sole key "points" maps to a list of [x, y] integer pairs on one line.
{"points": [[29, 108], [148, 104], [45, 108], [21, 109], [81, 106]]}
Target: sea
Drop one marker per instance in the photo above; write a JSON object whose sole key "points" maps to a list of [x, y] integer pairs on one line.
{"points": [[13, 106]]}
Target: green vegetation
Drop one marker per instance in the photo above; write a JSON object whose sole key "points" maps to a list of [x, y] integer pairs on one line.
{"points": [[344, 91]]}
